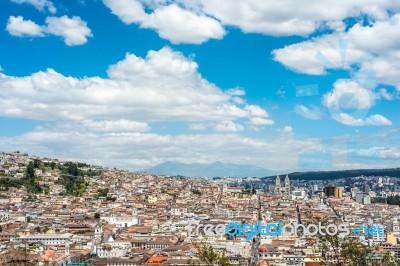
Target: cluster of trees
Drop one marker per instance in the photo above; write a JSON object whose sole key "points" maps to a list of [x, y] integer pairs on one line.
{"points": [[393, 200], [336, 251], [102, 192], [379, 200], [6, 183], [74, 185], [209, 256], [29, 181], [341, 251], [15, 257], [70, 168], [196, 192], [250, 191], [348, 251], [72, 177]]}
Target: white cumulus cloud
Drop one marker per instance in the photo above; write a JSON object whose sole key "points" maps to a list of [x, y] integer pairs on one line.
{"points": [[228, 126], [163, 86], [348, 94], [182, 26], [73, 30], [372, 48], [39, 4], [260, 121], [288, 17], [312, 112], [183, 21], [172, 22], [373, 120], [120, 125], [136, 151], [349, 104], [380, 152], [18, 26]]}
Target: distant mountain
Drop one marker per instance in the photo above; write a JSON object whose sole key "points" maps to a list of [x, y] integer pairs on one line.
{"points": [[217, 169], [331, 175]]}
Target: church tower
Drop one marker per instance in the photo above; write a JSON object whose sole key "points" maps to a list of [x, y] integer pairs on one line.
{"points": [[395, 226], [98, 232], [287, 185], [135, 217], [277, 185], [67, 249]]}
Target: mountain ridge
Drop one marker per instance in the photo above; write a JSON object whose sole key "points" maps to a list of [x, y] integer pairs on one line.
{"points": [[216, 169], [337, 174]]}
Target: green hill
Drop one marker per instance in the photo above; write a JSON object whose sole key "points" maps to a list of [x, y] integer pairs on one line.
{"points": [[330, 175]]}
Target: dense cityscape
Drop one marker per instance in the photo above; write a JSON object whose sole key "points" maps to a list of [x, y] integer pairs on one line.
{"points": [[199, 133], [70, 213]]}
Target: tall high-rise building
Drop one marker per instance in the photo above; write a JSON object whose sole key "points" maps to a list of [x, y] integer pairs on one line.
{"points": [[332, 191], [329, 191], [338, 192], [354, 191]]}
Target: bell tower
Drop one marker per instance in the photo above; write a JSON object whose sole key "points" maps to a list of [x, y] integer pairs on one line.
{"points": [[135, 217], [396, 227], [278, 188], [98, 231], [287, 185]]}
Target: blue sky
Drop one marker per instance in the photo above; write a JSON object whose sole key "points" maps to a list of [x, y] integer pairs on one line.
{"points": [[135, 83]]}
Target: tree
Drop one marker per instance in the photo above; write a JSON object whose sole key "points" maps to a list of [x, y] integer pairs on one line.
{"points": [[393, 200], [36, 163], [389, 260], [17, 257], [102, 192], [196, 192], [97, 215], [73, 169], [106, 247], [30, 171], [74, 186], [347, 251], [52, 165], [30, 179], [207, 254], [355, 253]]}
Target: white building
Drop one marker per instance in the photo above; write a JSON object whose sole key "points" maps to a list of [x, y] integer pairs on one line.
{"points": [[5, 214], [45, 239], [107, 251], [298, 194], [122, 221]]}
